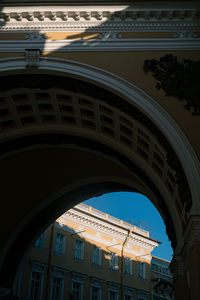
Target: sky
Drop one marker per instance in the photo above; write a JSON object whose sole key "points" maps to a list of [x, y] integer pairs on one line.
{"points": [[138, 210]]}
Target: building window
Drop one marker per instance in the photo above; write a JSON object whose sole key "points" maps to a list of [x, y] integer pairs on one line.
{"points": [[112, 295], [79, 250], [142, 295], [40, 243], [128, 265], [36, 285], [57, 288], [95, 293], [128, 297], [96, 255], [142, 270], [60, 238], [77, 290], [113, 261]]}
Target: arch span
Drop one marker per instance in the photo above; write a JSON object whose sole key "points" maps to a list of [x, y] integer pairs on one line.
{"points": [[136, 97], [119, 159]]}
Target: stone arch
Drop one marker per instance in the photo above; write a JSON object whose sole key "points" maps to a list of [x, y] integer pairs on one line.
{"points": [[149, 109], [135, 96]]}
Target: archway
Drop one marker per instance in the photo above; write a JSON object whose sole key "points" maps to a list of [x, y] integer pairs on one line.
{"points": [[130, 132]]}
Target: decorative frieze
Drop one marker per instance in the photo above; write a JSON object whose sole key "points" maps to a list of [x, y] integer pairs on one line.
{"points": [[185, 35], [35, 36]]}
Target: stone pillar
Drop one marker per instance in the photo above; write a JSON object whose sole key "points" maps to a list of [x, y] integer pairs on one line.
{"points": [[181, 291], [186, 266]]}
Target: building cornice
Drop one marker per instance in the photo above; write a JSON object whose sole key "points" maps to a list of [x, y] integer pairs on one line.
{"points": [[98, 17], [105, 227], [109, 23]]}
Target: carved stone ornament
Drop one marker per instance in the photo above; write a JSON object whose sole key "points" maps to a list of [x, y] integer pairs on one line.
{"points": [[177, 79], [35, 36], [32, 58]]}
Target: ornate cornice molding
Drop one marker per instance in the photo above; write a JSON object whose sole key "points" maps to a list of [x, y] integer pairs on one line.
{"points": [[109, 22], [105, 227], [89, 17]]}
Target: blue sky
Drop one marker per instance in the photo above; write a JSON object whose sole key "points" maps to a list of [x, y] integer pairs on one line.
{"points": [[138, 210]]}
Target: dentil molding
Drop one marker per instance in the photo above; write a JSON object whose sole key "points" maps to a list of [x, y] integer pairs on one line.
{"points": [[89, 17]]}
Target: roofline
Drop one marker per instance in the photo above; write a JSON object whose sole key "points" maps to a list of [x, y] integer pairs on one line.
{"points": [[117, 225]]}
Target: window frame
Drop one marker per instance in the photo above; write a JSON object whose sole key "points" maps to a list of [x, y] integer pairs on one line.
{"points": [[130, 268], [98, 262], [142, 270], [62, 252], [81, 287], [142, 295], [37, 268], [79, 257], [114, 291], [38, 244], [114, 264], [98, 287], [58, 273]]}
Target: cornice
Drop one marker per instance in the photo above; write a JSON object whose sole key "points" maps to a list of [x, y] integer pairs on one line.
{"points": [[108, 22], [104, 227], [101, 17]]}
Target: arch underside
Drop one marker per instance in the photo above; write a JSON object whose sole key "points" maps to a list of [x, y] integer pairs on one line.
{"points": [[52, 113]]}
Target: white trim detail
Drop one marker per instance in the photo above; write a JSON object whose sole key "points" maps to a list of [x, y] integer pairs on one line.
{"points": [[109, 44], [90, 15], [109, 21]]}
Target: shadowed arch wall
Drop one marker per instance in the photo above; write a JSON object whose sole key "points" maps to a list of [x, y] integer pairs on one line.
{"points": [[141, 101]]}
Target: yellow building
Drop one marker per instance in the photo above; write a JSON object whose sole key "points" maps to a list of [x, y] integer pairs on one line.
{"points": [[96, 97], [88, 254]]}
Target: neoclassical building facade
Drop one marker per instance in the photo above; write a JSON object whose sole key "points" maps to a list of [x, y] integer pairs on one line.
{"points": [[94, 98], [88, 254]]}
